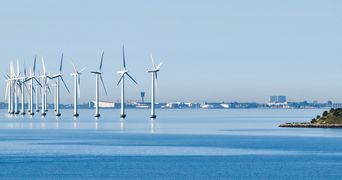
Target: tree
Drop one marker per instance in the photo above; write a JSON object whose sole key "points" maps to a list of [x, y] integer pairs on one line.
{"points": [[325, 113]]}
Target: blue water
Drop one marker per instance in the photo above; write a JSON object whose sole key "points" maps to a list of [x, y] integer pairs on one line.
{"points": [[180, 144]]}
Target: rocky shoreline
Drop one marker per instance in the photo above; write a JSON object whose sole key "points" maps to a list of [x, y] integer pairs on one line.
{"points": [[310, 125]]}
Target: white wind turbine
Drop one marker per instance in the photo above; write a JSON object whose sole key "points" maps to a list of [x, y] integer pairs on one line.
{"points": [[16, 89], [44, 77], [33, 78], [58, 77], [98, 75], [9, 89], [154, 73], [122, 80], [22, 84], [7, 94], [77, 90]]}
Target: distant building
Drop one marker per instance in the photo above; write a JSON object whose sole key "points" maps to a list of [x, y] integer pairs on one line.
{"points": [[142, 94], [278, 102], [104, 104], [277, 99]]}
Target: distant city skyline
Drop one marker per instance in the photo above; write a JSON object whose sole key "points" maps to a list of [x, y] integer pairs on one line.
{"points": [[228, 51]]}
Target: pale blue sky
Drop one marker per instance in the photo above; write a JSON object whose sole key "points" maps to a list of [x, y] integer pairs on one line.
{"points": [[242, 50]]}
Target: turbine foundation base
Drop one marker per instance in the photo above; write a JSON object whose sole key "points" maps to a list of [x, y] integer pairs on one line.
{"points": [[153, 116]]}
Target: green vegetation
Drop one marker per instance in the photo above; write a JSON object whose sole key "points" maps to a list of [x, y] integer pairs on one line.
{"points": [[334, 116]]}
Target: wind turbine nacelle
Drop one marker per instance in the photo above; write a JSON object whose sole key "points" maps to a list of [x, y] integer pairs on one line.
{"points": [[93, 72], [152, 71], [122, 72]]}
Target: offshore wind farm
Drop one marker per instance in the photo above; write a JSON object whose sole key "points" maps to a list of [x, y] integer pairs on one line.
{"points": [[18, 82], [160, 89]]}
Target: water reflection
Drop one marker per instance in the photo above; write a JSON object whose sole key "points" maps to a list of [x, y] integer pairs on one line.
{"points": [[76, 124], [96, 124], [43, 124], [152, 125], [122, 124]]}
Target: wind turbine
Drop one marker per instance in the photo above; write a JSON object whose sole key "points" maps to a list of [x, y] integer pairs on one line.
{"points": [[33, 78], [154, 73], [44, 78], [16, 89], [98, 75], [22, 84], [8, 94], [9, 90], [58, 77], [77, 91], [122, 80]]}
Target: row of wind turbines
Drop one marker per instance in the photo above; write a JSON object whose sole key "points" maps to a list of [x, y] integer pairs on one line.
{"points": [[36, 84]]}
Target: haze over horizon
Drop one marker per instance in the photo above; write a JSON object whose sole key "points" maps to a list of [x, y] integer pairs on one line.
{"points": [[212, 50]]}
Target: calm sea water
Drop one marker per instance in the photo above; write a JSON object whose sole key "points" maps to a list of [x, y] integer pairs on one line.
{"points": [[180, 144]]}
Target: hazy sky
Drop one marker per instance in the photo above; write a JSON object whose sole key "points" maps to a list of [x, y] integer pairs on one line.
{"points": [[214, 50]]}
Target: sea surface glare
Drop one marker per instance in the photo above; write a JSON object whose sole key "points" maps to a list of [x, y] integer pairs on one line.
{"points": [[180, 144]]}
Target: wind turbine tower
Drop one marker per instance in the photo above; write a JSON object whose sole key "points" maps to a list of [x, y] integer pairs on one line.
{"points": [[44, 78], [59, 77], [154, 73], [122, 80], [98, 76], [77, 91]]}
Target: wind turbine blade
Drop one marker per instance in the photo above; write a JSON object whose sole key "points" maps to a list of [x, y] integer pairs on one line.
{"points": [[7, 87], [61, 66], [5, 77], [24, 69], [101, 61], [156, 75], [20, 86], [132, 78], [123, 56], [38, 82], [48, 87], [120, 79], [34, 64], [27, 89], [104, 87], [152, 59], [43, 64], [12, 69], [158, 67], [18, 68], [73, 65], [83, 69], [66, 87]]}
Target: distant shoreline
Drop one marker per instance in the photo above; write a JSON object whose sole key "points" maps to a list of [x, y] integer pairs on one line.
{"points": [[310, 125]]}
